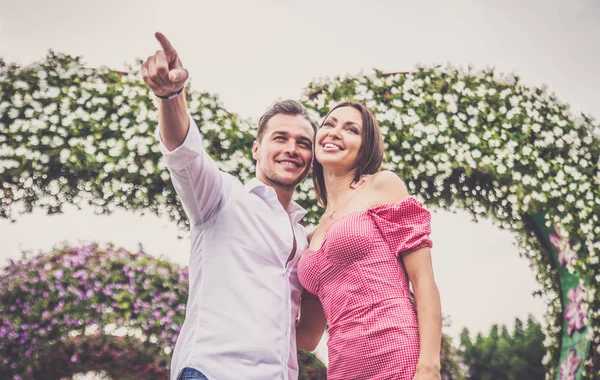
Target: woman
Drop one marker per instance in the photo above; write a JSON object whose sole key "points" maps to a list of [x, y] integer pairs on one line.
{"points": [[370, 243]]}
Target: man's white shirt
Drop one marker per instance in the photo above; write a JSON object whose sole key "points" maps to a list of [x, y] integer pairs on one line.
{"points": [[243, 298]]}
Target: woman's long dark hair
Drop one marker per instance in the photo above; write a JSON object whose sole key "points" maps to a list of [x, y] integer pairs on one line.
{"points": [[370, 154]]}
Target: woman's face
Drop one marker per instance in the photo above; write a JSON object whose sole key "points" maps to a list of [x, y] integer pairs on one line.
{"points": [[339, 139]]}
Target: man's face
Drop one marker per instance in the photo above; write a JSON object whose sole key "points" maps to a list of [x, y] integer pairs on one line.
{"points": [[284, 155]]}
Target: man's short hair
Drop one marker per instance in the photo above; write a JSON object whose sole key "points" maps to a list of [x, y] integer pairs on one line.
{"points": [[285, 107]]}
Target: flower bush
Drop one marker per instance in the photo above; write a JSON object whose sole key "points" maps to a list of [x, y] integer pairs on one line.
{"points": [[453, 366], [461, 139], [79, 309], [61, 308]]}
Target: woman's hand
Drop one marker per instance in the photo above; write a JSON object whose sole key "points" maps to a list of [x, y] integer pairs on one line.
{"points": [[427, 372]]}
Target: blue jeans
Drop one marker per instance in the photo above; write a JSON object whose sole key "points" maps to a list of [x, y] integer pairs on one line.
{"points": [[191, 374]]}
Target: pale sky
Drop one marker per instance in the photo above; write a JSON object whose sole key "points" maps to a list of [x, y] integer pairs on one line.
{"points": [[253, 53]]}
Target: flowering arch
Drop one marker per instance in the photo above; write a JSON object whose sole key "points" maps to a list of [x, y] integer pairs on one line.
{"points": [[460, 139]]}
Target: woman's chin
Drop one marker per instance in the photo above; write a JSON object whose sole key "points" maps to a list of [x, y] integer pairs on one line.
{"points": [[338, 166], [330, 159]]}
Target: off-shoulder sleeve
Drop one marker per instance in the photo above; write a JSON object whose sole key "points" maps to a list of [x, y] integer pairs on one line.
{"points": [[404, 225]]}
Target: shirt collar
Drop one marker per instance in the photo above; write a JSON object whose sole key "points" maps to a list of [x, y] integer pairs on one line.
{"points": [[256, 186]]}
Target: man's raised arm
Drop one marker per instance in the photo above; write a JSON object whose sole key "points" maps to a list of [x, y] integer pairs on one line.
{"points": [[166, 77], [195, 176]]}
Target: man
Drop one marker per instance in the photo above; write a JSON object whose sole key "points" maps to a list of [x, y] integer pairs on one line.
{"points": [[245, 239]]}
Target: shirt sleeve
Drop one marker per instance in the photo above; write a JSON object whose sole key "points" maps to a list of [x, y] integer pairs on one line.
{"points": [[405, 225], [196, 178]]}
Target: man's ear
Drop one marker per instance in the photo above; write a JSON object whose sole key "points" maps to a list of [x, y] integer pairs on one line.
{"points": [[255, 147]]}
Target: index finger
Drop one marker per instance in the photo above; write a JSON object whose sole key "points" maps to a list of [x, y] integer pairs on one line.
{"points": [[165, 44]]}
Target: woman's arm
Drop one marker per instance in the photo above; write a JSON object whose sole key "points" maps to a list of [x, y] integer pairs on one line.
{"points": [[387, 187], [311, 324], [429, 311]]}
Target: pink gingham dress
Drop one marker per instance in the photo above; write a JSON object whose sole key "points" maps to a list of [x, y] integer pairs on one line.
{"points": [[364, 290]]}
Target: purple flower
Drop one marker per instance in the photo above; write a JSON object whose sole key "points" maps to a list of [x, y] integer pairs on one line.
{"points": [[569, 366], [574, 313], [163, 272], [560, 240]]}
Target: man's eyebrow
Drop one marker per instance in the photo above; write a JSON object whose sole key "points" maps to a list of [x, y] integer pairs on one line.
{"points": [[305, 139], [287, 134]]}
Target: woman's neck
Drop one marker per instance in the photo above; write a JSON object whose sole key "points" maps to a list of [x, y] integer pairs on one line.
{"points": [[337, 185]]}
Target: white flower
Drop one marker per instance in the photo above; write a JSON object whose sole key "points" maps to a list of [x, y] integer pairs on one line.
{"points": [[452, 108], [473, 139], [441, 118], [514, 100], [64, 155], [143, 149], [57, 141], [115, 151], [20, 85], [459, 86], [13, 113], [472, 110], [397, 103], [53, 187], [90, 149]]}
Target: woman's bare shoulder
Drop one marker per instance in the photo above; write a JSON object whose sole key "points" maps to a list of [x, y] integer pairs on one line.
{"points": [[387, 187]]}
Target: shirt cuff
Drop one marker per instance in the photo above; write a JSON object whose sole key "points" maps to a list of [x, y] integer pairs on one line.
{"points": [[186, 153]]}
